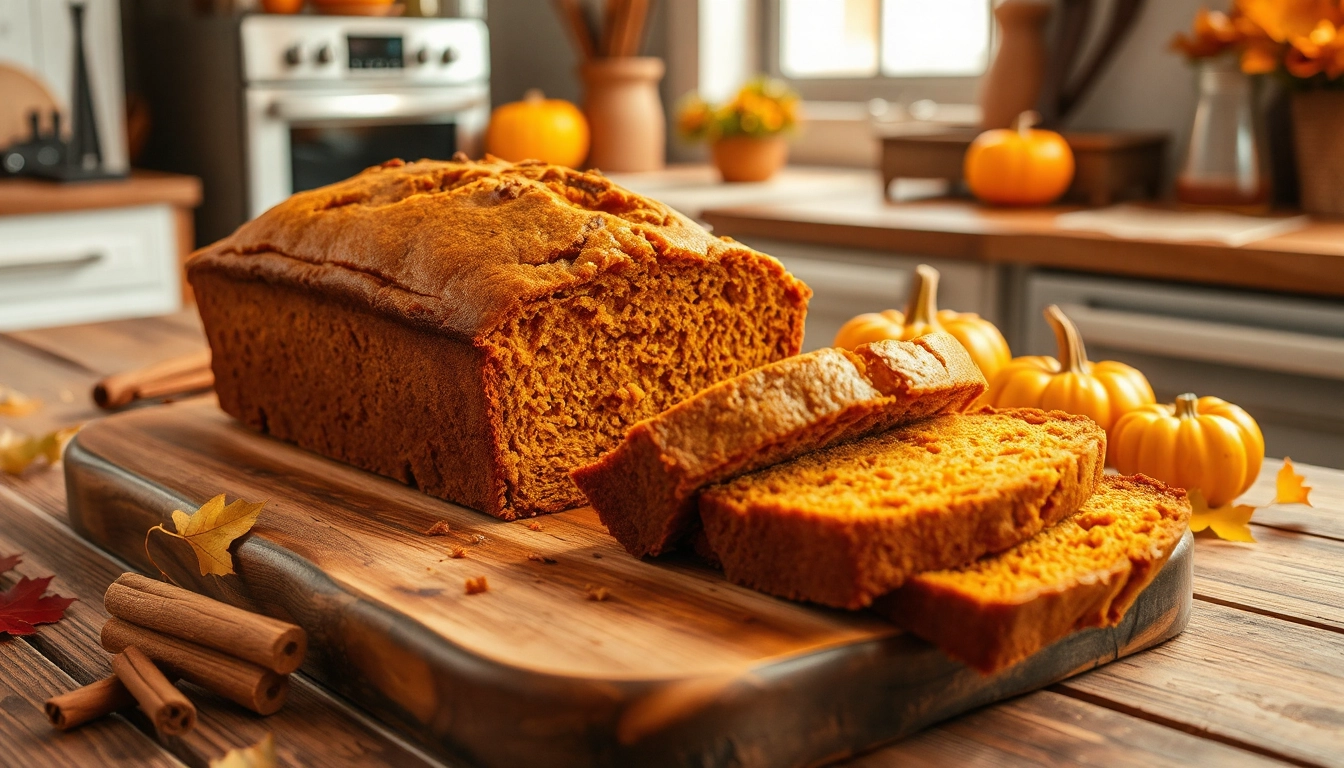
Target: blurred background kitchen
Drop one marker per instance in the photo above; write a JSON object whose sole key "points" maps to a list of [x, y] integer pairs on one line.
{"points": [[1179, 198]]}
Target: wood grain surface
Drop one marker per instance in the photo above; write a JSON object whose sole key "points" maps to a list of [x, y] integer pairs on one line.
{"points": [[675, 667], [1309, 261]]}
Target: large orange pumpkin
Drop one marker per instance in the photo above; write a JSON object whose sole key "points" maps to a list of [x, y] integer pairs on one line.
{"points": [[1021, 166], [980, 337], [538, 128], [1102, 391], [1203, 443]]}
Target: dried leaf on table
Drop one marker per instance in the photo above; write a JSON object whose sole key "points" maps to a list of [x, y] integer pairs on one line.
{"points": [[1231, 521], [259, 755], [1288, 486], [23, 605], [18, 451], [15, 403], [9, 562], [211, 529]]}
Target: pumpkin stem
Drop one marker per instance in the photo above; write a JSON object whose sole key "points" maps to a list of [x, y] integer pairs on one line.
{"points": [[1187, 406], [1072, 354], [923, 306], [1026, 120], [533, 95]]}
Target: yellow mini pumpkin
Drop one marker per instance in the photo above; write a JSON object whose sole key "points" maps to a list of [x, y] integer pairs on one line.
{"points": [[1102, 391], [980, 337], [538, 128], [1203, 443]]}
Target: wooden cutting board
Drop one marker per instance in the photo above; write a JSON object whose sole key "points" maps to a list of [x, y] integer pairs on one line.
{"points": [[675, 667]]}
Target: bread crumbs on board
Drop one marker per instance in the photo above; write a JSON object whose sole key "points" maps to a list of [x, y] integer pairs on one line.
{"points": [[596, 593], [439, 528], [477, 585], [540, 558], [534, 526], [458, 553]]}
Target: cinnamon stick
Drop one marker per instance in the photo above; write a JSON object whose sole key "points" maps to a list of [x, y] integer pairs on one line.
{"points": [[578, 28], [276, 645], [95, 700], [171, 712], [249, 685], [175, 376]]}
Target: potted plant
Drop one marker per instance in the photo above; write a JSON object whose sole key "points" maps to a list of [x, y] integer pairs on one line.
{"points": [[1301, 41], [746, 135]]}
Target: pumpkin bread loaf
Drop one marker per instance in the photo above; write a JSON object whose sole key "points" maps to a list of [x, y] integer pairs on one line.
{"points": [[644, 490], [478, 329], [849, 523], [1085, 571]]}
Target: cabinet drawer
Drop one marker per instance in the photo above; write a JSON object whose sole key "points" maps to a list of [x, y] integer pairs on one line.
{"points": [[86, 266]]}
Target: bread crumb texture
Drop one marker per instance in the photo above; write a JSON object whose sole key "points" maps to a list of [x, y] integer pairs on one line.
{"points": [[477, 329], [846, 524], [1085, 571]]}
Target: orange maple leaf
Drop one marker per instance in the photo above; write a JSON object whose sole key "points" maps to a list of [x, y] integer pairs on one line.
{"points": [[15, 403], [259, 755], [1288, 486], [1230, 521], [210, 531]]}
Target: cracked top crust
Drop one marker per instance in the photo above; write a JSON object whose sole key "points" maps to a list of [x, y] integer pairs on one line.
{"points": [[458, 246]]}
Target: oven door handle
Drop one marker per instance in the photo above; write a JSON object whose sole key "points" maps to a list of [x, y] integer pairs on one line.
{"points": [[1224, 343], [370, 106]]}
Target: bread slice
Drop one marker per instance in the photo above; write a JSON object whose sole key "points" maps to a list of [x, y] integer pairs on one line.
{"points": [[847, 524], [1085, 571], [644, 490]]}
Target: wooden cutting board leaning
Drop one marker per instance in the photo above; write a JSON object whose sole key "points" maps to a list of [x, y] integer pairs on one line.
{"points": [[575, 653]]}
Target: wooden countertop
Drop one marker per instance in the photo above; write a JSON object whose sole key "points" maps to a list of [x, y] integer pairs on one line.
{"points": [[1256, 678], [1308, 261], [18, 196]]}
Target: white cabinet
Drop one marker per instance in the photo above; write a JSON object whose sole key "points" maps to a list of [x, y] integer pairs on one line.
{"points": [[1279, 357], [87, 266], [846, 282]]}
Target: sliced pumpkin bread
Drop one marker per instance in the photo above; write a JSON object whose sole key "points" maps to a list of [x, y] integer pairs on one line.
{"points": [[644, 489], [1085, 571], [847, 524]]}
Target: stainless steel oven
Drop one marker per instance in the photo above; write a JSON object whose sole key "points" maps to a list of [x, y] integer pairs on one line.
{"points": [[262, 106]]}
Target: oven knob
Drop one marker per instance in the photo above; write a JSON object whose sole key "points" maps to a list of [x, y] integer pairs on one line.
{"points": [[293, 55], [449, 56], [422, 56], [324, 55]]}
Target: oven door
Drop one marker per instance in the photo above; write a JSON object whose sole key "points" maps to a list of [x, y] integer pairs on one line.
{"points": [[300, 139]]}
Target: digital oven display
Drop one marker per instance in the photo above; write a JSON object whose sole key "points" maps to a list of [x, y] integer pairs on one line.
{"points": [[375, 52]]}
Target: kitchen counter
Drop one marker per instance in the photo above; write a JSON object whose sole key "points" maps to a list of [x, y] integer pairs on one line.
{"points": [[1308, 261], [1256, 679]]}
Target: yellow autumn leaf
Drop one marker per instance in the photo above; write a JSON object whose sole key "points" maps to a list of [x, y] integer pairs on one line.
{"points": [[1231, 521], [259, 755], [15, 403], [1288, 486], [18, 451], [211, 529]]}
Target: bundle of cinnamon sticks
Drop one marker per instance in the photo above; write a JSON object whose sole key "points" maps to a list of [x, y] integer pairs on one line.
{"points": [[165, 379], [160, 631]]}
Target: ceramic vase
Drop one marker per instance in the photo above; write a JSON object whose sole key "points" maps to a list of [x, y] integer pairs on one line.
{"points": [[625, 114]]}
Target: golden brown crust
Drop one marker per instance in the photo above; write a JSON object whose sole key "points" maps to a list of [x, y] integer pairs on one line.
{"points": [[849, 523], [479, 329], [644, 490], [1086, 571], [458, 245]]}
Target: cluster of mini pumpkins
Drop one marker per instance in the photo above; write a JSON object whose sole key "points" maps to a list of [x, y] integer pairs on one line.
{"points": [[1197, 442]]}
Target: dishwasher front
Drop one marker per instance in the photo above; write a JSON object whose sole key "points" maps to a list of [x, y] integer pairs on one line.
{"points": [[1279, 357]]}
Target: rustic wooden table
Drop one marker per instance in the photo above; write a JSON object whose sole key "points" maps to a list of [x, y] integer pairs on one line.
{"points": [[1257, 678]]}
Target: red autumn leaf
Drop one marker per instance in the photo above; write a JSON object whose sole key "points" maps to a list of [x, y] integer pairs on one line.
{"points": [[8, 562], [22, 606]]}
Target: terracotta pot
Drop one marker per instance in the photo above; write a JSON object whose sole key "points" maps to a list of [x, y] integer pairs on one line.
{"points": [[1318, 123], [744, 158], [625, 114], [1013, 83]]}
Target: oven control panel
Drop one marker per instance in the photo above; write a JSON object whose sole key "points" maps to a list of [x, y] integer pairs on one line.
{"points": [[279, 48]]}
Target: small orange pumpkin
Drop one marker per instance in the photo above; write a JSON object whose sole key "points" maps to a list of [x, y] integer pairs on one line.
{"points": [[538, 128], [1021, 166], [1102, 391], [1199, 442], [980, 337]]}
